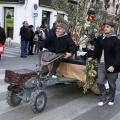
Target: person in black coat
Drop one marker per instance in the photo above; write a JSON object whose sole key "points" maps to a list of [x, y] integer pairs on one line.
{"points": [[53, 29], [107, 51], [25, 37], [89, 50], [2, 37], [59, 42], [31, 42], [46, 30]]}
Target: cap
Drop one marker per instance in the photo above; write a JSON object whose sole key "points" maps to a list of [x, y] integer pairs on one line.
{"points": [[112, 24], [62, 25], [30, 26]]}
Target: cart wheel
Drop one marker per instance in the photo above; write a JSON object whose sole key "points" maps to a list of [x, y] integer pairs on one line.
{"points": [[13, 99], [38, 101]]}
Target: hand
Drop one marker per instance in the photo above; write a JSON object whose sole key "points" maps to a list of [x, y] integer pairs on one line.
{"points": [[90, 58], [44, 49], [110, 69], [67, 55]]}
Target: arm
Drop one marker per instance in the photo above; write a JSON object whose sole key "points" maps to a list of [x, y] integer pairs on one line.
{"points": [[4, 36], [117, 54], [47, 41], [22, 32], [72, 46], [95, 52]]}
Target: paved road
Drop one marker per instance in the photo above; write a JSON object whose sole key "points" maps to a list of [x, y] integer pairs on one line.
{"points": [[65, 102]]}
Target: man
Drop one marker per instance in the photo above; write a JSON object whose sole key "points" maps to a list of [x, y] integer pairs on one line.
{"points": [[25, 36], [59, 42], [46, 30], [2, 36], [107, 51], [53, 29]]}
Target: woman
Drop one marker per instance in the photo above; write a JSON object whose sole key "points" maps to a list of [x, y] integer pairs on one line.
{"points": [[31, 42]]}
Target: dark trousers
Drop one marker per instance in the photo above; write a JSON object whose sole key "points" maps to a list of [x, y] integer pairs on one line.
{"points": [[41, 45], [0, 56], [102, 77], [30, 48], [56, 64]]}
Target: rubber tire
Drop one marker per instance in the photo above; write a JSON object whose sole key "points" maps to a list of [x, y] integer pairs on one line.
{"points": [[33, 102], [10, 99]]}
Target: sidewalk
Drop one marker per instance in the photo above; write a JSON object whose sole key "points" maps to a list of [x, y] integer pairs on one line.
{"points": [[13, 44]]}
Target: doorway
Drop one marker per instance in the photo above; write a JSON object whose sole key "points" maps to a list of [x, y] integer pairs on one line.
{"points": [[9, 21], [45, 17]]}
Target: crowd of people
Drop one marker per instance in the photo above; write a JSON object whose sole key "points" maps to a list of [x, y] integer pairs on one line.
{"points": [[29, 38], [106, 48]]}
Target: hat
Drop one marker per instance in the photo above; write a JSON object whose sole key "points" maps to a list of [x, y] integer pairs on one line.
{"points": [[62, 25], [30, 26], [112, 24]]}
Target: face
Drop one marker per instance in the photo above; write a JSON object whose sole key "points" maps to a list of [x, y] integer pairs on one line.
{"points": [[89, 46], [108, 29], [37, 28], [60, 31], [46, 25], [25, 23]]}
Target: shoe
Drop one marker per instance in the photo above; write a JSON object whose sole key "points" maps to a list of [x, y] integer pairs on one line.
{"points": [[101, 103], [54, 76], [23, 56], [110, 103], [31, 54], [26, 55]]}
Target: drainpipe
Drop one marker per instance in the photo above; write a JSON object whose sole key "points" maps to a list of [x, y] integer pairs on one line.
{"points": [[26, 3]]}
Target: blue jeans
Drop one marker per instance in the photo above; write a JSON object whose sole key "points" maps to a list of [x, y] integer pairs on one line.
{"points": [[24, 48]]}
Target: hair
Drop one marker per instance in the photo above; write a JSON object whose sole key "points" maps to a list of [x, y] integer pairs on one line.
{"points": [[37, 27], [42, 26], [92, 42], [24, 22]]}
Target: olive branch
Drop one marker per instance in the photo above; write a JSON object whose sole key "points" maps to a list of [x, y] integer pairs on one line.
{"points": [[91, 74]]}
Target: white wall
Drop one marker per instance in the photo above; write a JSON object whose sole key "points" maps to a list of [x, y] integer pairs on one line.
{"points": [[23, 12]]}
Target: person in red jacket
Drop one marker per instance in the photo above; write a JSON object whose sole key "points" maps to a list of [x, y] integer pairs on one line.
{"points": [[2, 36]]}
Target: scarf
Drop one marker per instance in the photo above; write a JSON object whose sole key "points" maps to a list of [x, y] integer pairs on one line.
{"points": [[108, 35], [61, 35]]}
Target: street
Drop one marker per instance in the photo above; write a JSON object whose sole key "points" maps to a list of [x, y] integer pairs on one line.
{"points": [[64, 102]]}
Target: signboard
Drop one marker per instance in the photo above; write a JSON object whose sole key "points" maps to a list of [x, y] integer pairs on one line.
{"points": [[35, 14], [46, 3], [35, 7], [13, 1], [35, 10]]}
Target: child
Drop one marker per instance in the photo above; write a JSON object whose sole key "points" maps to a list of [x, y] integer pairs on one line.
{"points": [[89, 50]]}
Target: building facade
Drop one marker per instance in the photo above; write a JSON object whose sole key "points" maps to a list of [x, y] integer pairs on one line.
{"points": [[36, 12]]}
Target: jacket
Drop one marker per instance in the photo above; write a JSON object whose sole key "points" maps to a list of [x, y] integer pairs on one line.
{"points": [[40, 34], [32, 34], [60, 44], [2, 35], [25, 33], [87, 55], [111, 47]]}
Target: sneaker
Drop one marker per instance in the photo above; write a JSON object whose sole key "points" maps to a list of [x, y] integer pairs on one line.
{"points": [[101, 103], [54, 76], [110, 103]]}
